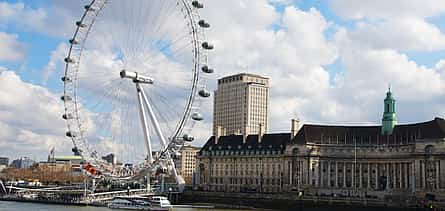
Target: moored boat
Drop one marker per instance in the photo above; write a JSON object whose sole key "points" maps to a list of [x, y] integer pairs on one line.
{"points": [[160, 201], [155, 203]]}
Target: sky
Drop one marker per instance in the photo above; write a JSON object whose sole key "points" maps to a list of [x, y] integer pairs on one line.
{"points": [[329, 61]]}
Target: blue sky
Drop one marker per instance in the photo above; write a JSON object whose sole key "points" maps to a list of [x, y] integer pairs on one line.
{"points": [[330, 61]]}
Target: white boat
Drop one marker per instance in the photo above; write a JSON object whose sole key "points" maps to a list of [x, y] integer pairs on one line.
{"points": [[30, 196], [160, 201], [155, 203]]}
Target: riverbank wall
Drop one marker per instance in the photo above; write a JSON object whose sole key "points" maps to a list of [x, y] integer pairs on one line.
{"points": [[289, 201]]}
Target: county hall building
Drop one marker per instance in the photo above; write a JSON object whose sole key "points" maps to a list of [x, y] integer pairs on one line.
{"points": [[386, 159]]}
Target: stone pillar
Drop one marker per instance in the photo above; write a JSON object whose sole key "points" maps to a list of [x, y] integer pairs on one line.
{"points": [[296, 173], [298, 170], [391, 179], [368, 186], [400, 175], [422, 171], [329, 174], [301, 172], [437, 175], [317, 174], [394, 175], [309, 172], [353, 166], [344, 174], [413, 176], [336, 174], [397, 177], [290, 166], [360, 176], [442, 174], [377, 176], [405, 172], [388, 176], [320, 174]]}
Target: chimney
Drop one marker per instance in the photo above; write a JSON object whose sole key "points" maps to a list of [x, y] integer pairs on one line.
{"points": [[295, 127], [244, 133], [219, 133], [260, 133]]}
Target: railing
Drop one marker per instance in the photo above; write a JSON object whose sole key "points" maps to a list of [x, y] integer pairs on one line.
{"points": [[105, 196], [79, 195]]}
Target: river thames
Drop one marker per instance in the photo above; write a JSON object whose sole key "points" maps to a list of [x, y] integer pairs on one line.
{"points": [[20, 206]]}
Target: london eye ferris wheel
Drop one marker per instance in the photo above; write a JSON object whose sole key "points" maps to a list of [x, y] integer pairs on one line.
{"points": [[134, 78]]}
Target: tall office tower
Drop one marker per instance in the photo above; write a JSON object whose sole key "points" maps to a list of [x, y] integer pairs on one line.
{"points": [[241, 105]]}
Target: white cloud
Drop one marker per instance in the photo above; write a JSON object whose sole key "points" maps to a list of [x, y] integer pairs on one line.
{"points": [[56, 20], [9, 11], [404, 34], [10, 48], [378, 9], [399, 24], [371, 55], [30, 118], [56, 63], [370, 71], [290, 47], [440, 68], [282, 2]]}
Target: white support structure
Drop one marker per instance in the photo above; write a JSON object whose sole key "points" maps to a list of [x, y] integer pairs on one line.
{"points": [[3, 186], [93, 186], [179, 179], [144, 103], [154, 120], [144, 123]]}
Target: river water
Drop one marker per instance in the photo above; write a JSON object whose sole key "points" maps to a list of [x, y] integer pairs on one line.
{"points": [[21, 206]]}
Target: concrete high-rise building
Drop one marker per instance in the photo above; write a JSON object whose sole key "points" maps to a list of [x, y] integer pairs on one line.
{"points": [[22, 163], [241, 105], [186, 162], [4, 161]]}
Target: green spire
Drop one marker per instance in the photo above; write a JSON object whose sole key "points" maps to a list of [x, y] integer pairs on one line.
{"points": [[389, 119]]}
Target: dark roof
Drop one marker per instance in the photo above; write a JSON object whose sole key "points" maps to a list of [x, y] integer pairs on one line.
{"points": [[243, 74], [408, 133], [276, 141], [327, 134]]}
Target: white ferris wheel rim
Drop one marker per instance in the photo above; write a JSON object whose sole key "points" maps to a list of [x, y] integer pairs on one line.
{"points": [[76, 131]]}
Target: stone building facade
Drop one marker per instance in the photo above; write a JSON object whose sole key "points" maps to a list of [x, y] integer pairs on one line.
{"points": [[186, 162], [234, 164], [360, 161], [322, 159]]}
